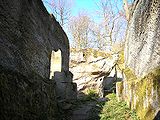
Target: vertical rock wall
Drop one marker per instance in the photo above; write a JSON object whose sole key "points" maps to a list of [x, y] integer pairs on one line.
{"points": [[28, 34], [142, 47], [141, 86]]}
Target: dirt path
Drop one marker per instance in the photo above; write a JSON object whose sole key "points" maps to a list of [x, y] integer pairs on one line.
{"points": [[87, 111]]}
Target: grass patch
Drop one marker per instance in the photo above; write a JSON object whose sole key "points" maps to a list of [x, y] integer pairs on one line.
{"points": [[114, 110]]}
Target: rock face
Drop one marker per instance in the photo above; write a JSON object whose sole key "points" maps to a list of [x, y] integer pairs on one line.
{"points": [[28, 35], [142, 48], [141, 86], [96, 73]]}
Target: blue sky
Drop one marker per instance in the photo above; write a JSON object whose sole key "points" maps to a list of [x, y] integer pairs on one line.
{"points": [[88, 6], [78, 5]]}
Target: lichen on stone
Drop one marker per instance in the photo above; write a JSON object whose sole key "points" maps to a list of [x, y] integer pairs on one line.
{"points": [[142, 94]]}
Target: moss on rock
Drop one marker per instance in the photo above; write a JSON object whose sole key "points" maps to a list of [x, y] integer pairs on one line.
{"points": [[142, 94]]}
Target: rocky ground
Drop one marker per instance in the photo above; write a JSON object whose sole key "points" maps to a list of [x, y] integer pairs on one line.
{"points": [[84, 111], [93, 76], [85, 108]]}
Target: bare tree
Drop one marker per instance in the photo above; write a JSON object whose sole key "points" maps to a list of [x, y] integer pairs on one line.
{"points": [[79, 27], [126, 8], [61, 10], [112, 23], [98, 36]]}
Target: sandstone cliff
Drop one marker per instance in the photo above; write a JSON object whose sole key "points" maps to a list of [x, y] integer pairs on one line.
{"points": [[28, 34], [141, 86], [142, 48]]}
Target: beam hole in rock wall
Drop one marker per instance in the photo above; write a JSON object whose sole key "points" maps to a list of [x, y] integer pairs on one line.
{"points": [[56, 62]]}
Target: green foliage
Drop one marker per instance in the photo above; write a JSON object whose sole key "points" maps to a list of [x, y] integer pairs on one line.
{"points": [[91, 95], [114, 110]]}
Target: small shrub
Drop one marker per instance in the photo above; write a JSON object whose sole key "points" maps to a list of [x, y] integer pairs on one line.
{"points": [[114, 110], [91, 95]]}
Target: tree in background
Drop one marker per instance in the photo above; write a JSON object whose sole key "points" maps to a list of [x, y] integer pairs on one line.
{"points": [[80, 29], [111, 28], [98, 36], [126, 8], [61, 10], [85, 32]]}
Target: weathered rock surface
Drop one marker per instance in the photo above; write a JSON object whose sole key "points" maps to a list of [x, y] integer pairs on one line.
{"points": [[65, 88], [28, 34], [86, 111], [26, 97], [142, 47], [141, 86], [96, 73]]}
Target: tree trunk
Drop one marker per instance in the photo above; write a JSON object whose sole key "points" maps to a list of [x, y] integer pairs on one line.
{"points": [[126, 8]]}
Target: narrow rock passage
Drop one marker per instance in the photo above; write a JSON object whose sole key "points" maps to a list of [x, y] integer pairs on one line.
{"points": [[87, 108], [85, 111], [86, 80]]}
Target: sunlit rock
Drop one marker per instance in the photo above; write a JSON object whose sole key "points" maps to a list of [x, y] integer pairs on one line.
{"points": [[97, 72], [141, 85]]}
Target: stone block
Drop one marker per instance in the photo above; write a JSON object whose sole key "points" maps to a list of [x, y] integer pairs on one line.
{"points": [[65, 88]]}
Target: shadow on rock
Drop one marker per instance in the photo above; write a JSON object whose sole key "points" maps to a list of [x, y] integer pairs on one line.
{"points": [[157, 117]]}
